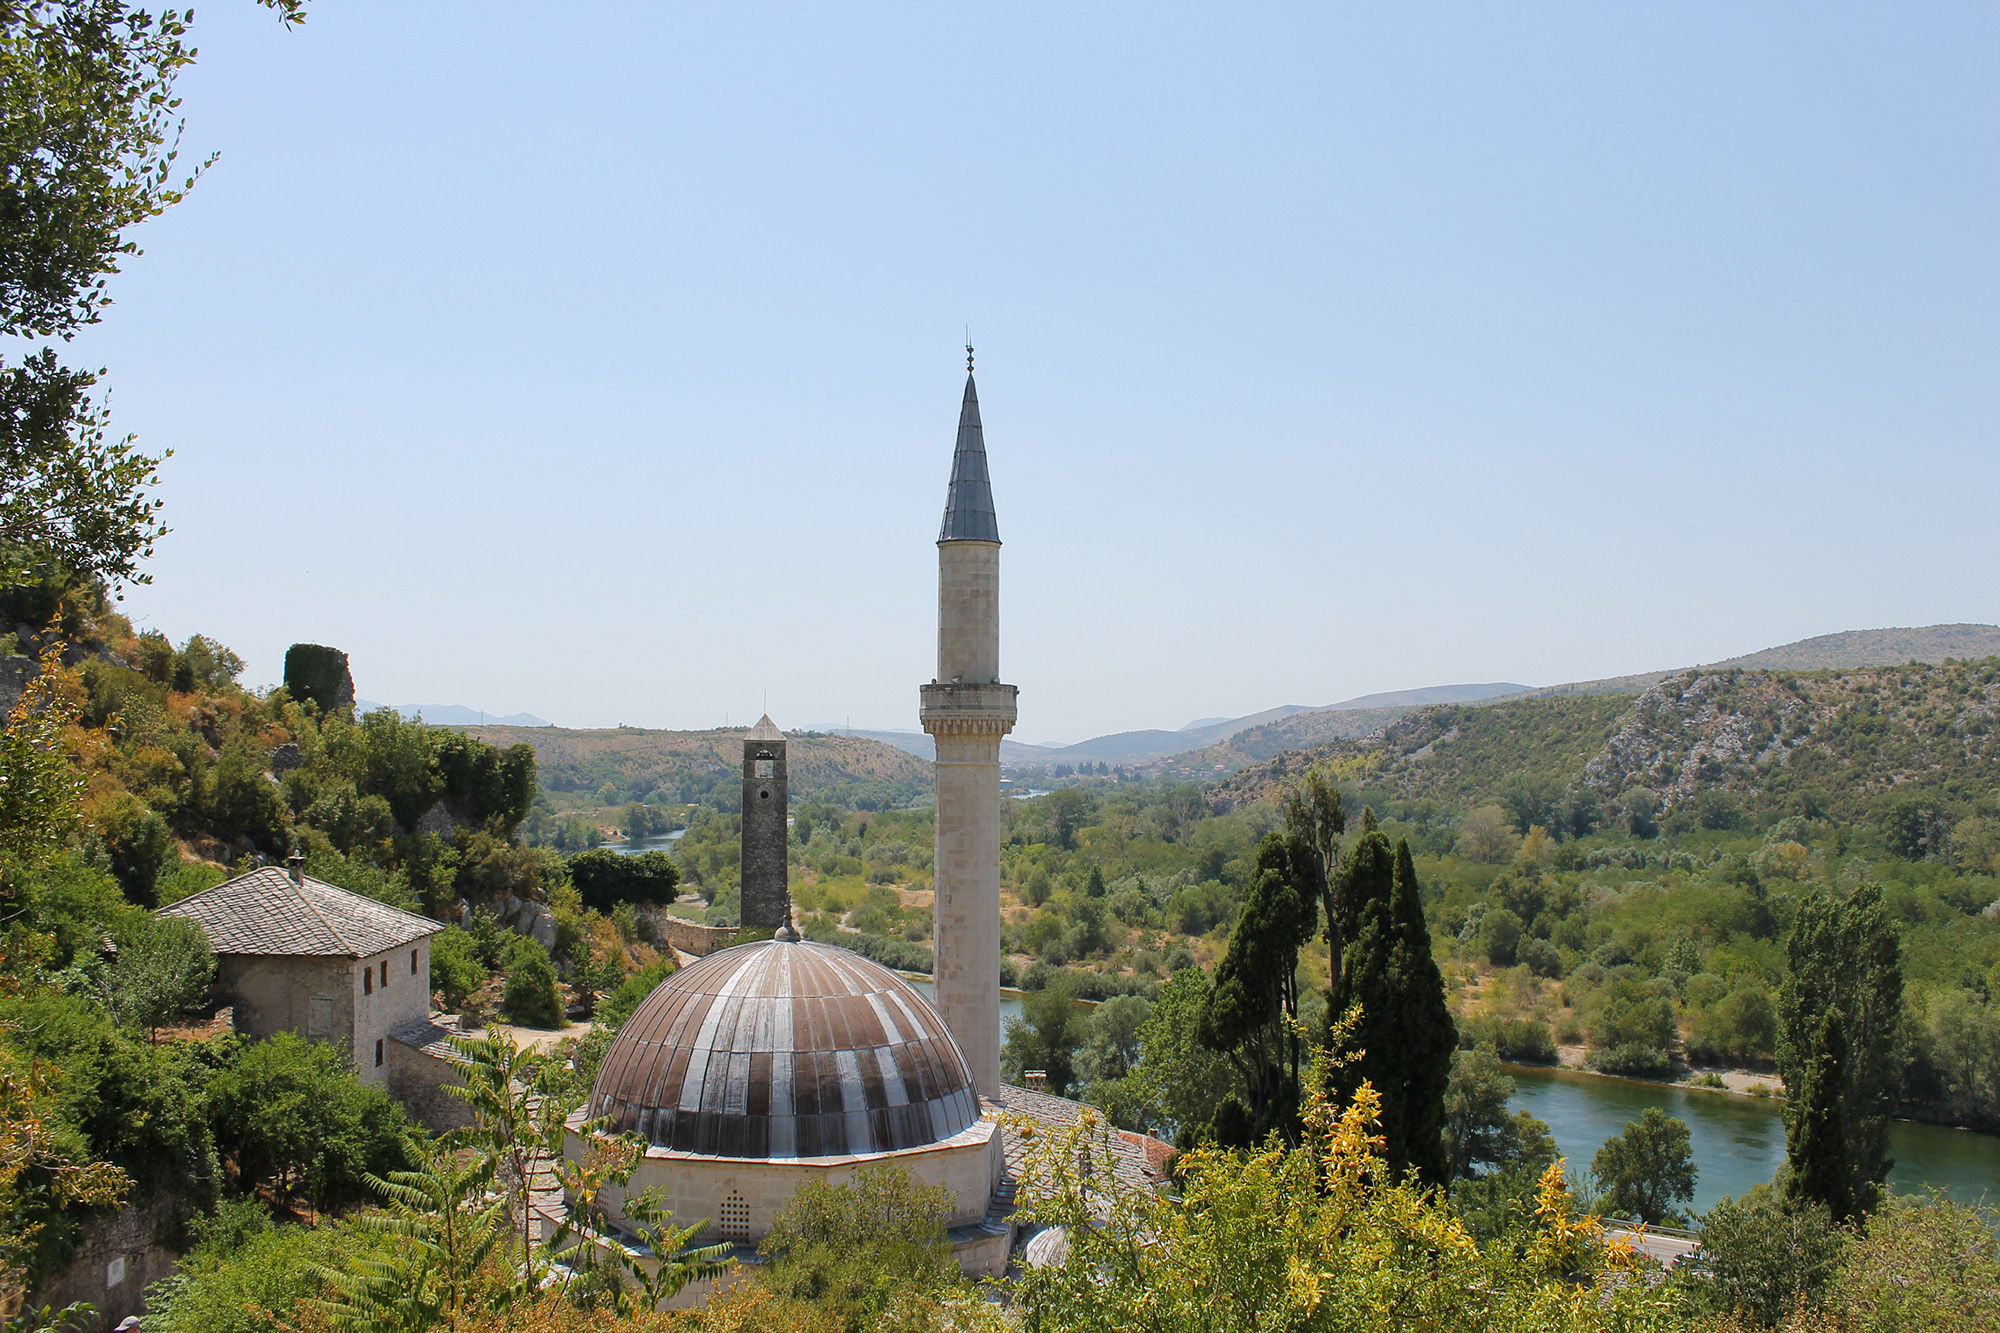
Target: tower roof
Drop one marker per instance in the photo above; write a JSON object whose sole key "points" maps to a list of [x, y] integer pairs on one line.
{"points": [[968, 505], [765, 730]]}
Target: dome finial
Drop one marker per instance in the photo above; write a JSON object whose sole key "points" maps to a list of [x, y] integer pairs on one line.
{"points": [[968, 351]]}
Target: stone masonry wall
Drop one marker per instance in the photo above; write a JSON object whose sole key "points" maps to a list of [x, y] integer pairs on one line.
{"points": [[765, 835]]}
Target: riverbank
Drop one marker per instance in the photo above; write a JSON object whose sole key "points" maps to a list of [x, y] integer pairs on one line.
{"points": [[1755, 1083]]}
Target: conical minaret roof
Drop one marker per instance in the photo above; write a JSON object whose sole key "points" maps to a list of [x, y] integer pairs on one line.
{"points": [[765, 730], [968, 505]]}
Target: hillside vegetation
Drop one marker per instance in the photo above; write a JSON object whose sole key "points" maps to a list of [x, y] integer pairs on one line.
{"points": [[628, 764], [1836, 743]]}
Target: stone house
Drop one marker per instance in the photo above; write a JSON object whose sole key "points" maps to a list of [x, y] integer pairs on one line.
{"points": [[296, 954]]}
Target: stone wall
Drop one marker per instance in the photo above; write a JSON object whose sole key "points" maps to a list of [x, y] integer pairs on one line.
{"points": [[117, 1257], [421, 1066], [687, 936]]}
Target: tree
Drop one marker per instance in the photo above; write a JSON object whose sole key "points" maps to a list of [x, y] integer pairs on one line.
{"points": [[1487, 835], [1924, 1263], [604, 879], [1646, 1170], [456, 969], [1179, 1082], [1845, 956], [1405, 1035], [1252, 1015], [162, 970], [1476, 1123], [1761, 1258], [1067, 809], [1500, 937], [1046, 1035], [1314, 824], [42, 1169], [291, 1112], [531, 997], [1816, 1138]]}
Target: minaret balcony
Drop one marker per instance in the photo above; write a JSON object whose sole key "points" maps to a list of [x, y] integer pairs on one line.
{"points": [[949, 707]]}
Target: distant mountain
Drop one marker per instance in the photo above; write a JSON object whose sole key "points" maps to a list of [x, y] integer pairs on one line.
{"points": [[455, 715]]}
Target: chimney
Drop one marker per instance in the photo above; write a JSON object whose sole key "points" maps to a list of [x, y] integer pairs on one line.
{"points": [[296, 865], [1035, 1080]]}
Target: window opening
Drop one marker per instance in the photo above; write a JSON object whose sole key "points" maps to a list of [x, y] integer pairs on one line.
{"points": [[378, 1052], [734, 1217], [367, 981]]}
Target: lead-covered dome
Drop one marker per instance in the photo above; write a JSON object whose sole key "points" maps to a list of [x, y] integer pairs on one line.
{"points": [[781, 1049]]}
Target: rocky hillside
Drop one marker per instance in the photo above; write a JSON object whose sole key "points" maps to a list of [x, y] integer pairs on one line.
{"points": [[1838, 742], [676, 767]]}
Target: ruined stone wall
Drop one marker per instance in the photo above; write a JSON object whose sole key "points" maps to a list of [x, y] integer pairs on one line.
{"points": [[119, 1254]]}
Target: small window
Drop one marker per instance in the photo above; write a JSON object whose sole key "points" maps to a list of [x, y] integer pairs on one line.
{"points": [[385, 971], [378, 1052], [766, 768], [764, 795], [367, 981], [413, 962], [319, 1021]]}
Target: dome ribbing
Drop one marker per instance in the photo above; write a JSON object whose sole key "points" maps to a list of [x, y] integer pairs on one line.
{"points": [[779, 1050]]}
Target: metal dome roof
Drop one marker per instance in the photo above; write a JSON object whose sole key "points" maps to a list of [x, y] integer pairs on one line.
{"points": [[779, 1049]]}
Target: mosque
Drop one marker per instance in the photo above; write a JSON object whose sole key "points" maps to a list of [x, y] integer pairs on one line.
{"points": [[769, 1064]]}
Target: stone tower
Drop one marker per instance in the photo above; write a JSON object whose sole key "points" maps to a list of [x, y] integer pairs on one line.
{"points": [[967, 710], [766, 896]]}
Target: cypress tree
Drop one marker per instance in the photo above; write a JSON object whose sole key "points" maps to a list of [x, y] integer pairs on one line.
{"points": [[1253, 1010], [1846, 957], [1816, 1130], [1406, 1034]]}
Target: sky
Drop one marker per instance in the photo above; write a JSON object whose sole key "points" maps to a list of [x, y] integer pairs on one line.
{"points": [[603, 361]]}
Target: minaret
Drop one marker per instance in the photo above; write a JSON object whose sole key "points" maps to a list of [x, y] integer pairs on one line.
{"points": [[766, 898], [967, 710]]}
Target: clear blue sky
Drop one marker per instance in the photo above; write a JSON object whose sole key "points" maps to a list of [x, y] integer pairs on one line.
{"points": [[603, 361]]}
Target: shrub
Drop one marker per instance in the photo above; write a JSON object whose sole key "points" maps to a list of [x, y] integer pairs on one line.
{"points": [[531, 997], [456, 968], [605, 879]]}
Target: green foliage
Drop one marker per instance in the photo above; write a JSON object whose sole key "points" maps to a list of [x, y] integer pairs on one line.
{"points": [[244, 1279], [531, 997], [619, 1004], [1845, 960], [162, 971], [1762, 1258], [855, 1249], [1405, 1035], [1920, 1264], [605, 879], [318, 674], [1045, 1037], [1252, 1015], [1646, 1170], [1500, 937], [138, 843], [1308, 1238], [290, 1112], [456, 968]]}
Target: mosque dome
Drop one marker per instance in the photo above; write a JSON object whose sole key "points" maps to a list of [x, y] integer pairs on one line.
{"points": [[779, 1050]]}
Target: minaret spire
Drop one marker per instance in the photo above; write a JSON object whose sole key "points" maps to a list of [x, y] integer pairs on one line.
{"points": [[968, 502]]}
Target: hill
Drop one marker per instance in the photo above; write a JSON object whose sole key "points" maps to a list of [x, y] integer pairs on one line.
{"points": [[455, 715], [1357, 717], [686, 767], [1826, 652], [1842, 743]]}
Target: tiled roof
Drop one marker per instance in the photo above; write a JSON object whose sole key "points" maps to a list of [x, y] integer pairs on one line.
{"points": [[264, 912], [1138, 1161]]}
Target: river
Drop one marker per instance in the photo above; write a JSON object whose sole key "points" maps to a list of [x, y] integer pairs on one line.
{"points": [[1738, 1141]]}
